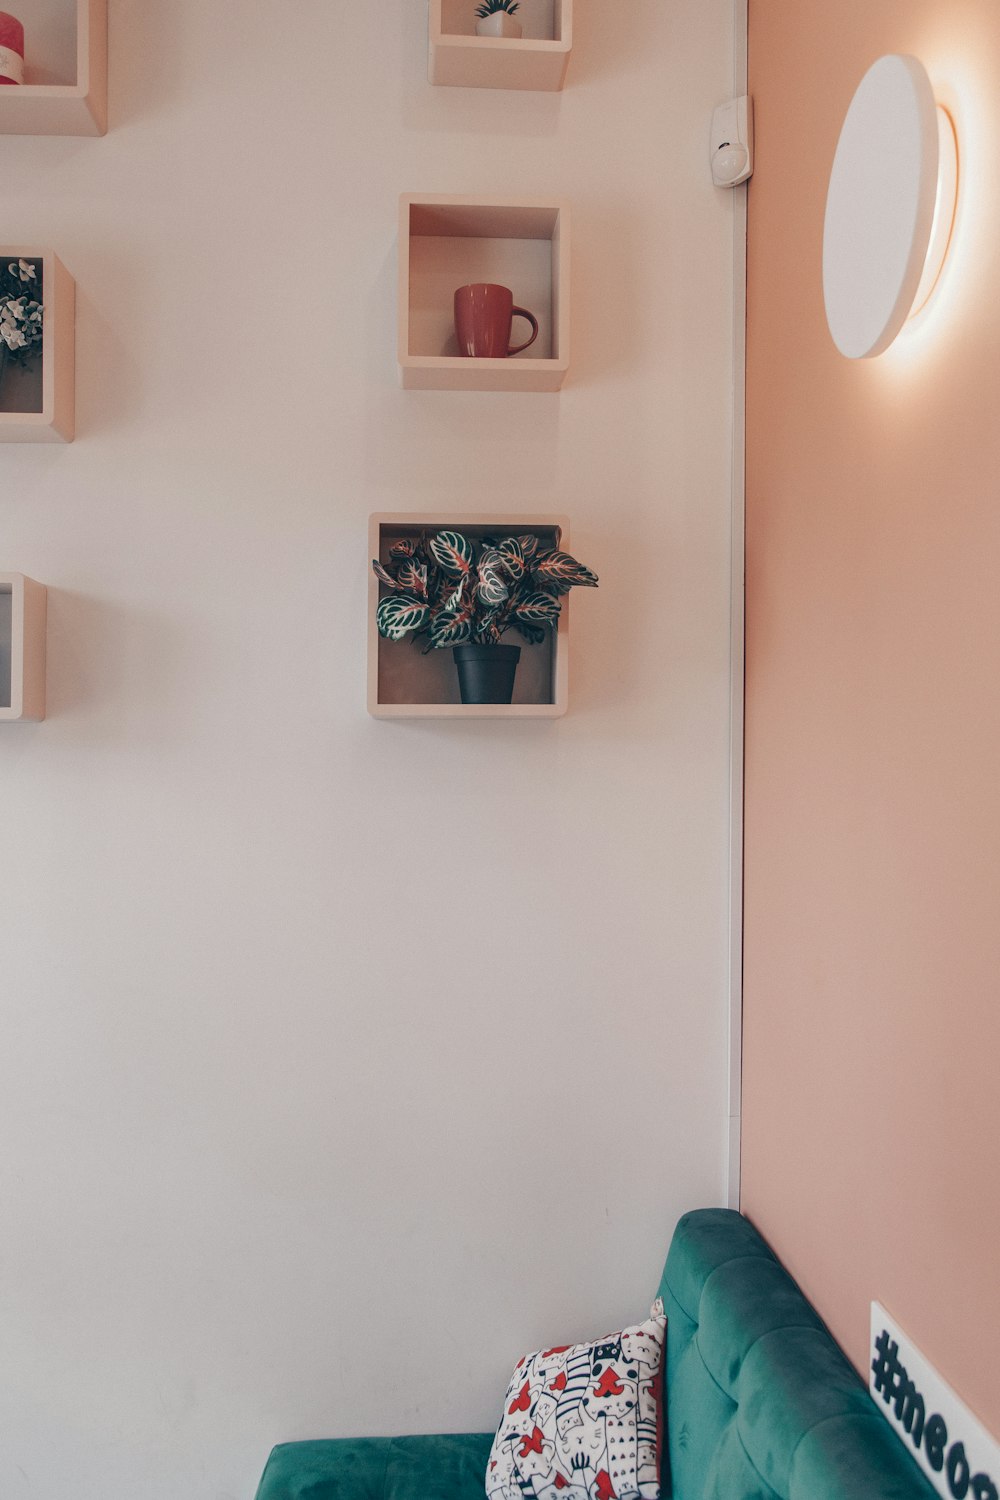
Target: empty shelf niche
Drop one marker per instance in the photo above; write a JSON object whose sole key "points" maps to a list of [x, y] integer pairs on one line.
{"points": [[447, 242]]}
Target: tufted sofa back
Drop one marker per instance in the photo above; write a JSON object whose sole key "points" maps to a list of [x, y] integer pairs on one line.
{"points": [[761, 1402]]}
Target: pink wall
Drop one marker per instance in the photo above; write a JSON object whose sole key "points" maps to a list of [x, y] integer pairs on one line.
{"points": [[871, 1132]]}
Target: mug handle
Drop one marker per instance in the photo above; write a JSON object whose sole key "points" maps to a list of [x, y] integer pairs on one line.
{"points": [[521, 312]]}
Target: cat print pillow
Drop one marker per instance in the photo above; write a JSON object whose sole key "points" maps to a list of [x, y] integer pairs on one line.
{"points": [[584, 1421]]}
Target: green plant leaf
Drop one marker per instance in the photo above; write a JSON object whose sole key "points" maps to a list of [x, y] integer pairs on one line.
{"points": [[400, 551], [382, 575], [487, 631], [452, 553], [513, 556], [538, 609], [558, 573], [492, 587], [453, 603], [492, 590], [533, 634], [398, 614], [451, 619], [412, 577], [528, 545], [450, 630]]}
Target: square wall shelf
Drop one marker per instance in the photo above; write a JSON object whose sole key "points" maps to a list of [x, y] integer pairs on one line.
{"points": [[405, 684], [22, 647], [65, 91], [537, 60], [447, 242], [37, 403]]}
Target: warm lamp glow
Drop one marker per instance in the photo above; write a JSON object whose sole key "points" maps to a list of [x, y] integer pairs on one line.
{"points": [[944, 210]]}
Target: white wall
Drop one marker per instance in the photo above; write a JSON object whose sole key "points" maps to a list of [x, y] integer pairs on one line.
{"points": [[345, 1060]]}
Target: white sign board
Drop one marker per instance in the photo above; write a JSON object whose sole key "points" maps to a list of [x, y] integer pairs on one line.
{"points": [[958, 1455]]}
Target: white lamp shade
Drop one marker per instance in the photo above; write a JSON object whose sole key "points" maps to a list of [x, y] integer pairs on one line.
{"points": [[880, 206]]}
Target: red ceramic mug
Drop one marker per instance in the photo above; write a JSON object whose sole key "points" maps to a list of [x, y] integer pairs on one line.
{"points": [[11, 49], [484, 314]]}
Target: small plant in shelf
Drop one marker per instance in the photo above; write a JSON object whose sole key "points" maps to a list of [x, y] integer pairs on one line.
{"points": [[467, 595], [21, 314], [496, 18]]}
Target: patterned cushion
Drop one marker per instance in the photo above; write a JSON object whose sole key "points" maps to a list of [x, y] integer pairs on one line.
{"points": [[584, 1422]]}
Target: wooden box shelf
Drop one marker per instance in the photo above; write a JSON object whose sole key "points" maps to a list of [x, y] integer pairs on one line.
{"points": [[66, 71], [538, 60], [37, 403], [22, 647], [446, 242], [405, 684]]}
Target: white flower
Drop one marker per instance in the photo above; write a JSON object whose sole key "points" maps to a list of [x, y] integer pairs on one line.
{"points": [[21, 322]]}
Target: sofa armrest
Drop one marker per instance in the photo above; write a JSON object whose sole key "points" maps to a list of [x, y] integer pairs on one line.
{"points": [[447, 1467]]}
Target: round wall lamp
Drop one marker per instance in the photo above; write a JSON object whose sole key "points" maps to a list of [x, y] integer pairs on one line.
{"points": [[890, 207]]}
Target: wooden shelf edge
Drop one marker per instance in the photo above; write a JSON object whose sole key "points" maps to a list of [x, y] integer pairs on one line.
{"points": [[80, 108], [515, 64], [460, 364], [532, 377], [528, 46], [467, 711], [19, 433], [29, 608], [547, 521], [478, 200], [56, 422], [469, 521]]}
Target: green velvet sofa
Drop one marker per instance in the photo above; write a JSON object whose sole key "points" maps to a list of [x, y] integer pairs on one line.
{"points": [[761, 1403]]}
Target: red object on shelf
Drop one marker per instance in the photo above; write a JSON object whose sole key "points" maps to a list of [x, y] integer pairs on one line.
{"points": [[11, 49]]}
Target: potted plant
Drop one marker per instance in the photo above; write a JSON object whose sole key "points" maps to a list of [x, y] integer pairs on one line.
{"points": [[496, 18], [467, 595], [20, 314]]}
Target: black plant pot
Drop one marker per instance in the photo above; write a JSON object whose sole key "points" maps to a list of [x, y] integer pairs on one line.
{"points": [[486, 673]]}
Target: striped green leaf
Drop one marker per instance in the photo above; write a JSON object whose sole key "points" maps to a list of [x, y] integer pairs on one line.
{"points": [[529, 546], [558, 573], [452, 553], [451, 630], [453, 603], [488, 632], [412, 577], [513, 557], [382, 575], [398, 614], [492, 586], [538, 609]]}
